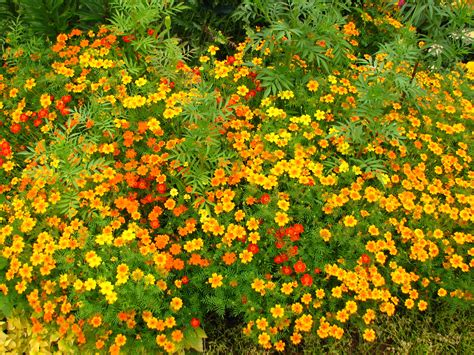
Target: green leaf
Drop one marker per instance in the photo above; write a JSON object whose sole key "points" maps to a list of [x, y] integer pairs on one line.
{"points": [[3, 263], [6, 305], [193, 339]]}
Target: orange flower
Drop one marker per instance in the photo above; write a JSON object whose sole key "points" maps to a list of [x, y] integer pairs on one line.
{"points": [[325, 234], [96, 321], [229, 258], [120, 340]]}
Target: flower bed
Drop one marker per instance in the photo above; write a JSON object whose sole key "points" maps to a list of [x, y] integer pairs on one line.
{"points": [[133, 205]]}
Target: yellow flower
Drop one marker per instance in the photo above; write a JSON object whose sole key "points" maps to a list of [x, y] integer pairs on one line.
{"points": [[90, 284], [93, 259], [286, 95], [369, 335], [78, 285], [422, 305], [176, 304], [242, 90], [111, 297], [150, 279], [284, 205], [258, 285], [350, 221], [325, 234], [215, 280], [106, 287], [287, 288], [30, 83], [45, 100], [13, 92], [126, 79], [312, 85], [344, 167], [140, 82], [277, 311], [320, 115], [263, 338], [281, 218], [245, 256], [297, 308], [320, 293], [280, 346], [212, 50], [8, 166]]}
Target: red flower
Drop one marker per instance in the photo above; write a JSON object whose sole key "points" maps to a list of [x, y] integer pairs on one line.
{"points": [[307, 280], [253, 248], [195, 322], [279, 244], [5, 149], [66, 99], [290, 231], [298, 228], [365, 259], [161, 188], [286, 270], [265, 199], [185, 280], [293, 251], [150, 31], [15, 128], [43, 113], [299, 267], [60, 105]]}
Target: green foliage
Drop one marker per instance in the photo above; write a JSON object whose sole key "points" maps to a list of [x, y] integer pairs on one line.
{"points": [[8, 12], [446, 29], [48, 18], [301, 27], [136, 16], [205, 21], [202, 150], [146, 26]]}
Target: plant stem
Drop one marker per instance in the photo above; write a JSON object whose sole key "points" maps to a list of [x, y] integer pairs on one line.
{"points": [[413, 73]]}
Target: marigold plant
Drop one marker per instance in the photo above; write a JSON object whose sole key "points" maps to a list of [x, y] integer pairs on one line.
{"points": [[301, 200]]}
